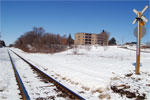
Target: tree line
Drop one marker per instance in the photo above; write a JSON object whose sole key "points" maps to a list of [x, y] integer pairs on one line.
{"points": [[37, 40]]}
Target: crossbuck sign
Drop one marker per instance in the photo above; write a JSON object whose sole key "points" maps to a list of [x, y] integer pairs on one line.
{"points": [[141, 21]]}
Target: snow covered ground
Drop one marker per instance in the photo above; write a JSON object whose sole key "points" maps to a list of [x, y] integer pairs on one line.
{"points": [[90, 70], [8, 85]]}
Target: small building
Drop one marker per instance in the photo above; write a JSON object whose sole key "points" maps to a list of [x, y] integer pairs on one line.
{"points": [[130, 43], [91, 38]]}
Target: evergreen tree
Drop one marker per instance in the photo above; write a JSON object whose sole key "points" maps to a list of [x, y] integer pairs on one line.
{"points": [[112, 41], [2, 43], [70, 41]]}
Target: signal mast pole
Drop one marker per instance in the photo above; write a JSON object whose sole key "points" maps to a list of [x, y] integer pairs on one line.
{"points": [[138, 45], [141, 21]]}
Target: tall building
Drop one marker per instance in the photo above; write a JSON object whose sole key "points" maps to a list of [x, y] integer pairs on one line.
{"points": [[91, 38]]}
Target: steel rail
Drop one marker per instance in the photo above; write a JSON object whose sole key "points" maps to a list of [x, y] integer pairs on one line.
{"points": [[60, 86], [22, 88]]}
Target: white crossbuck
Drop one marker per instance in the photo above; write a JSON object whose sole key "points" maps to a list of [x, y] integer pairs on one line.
{"points": [[141, 16]]}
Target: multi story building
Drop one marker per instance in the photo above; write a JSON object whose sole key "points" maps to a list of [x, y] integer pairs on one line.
{"points": [[91, 38]]}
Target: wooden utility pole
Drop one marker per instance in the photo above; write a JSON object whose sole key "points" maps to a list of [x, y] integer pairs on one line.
{"points": [[140, 19]]}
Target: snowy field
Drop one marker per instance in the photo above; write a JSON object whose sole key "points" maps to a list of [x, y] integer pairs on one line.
{"points": [[89, 71]]}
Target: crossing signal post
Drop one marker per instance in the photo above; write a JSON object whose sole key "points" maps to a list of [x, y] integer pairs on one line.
{"points": [[140, 19]]}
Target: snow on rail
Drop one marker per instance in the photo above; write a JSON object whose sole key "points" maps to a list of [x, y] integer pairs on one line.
{"points": [[22, 88]]}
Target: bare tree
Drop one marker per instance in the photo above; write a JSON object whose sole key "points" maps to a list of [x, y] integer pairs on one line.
{"points": [[39, 41]]}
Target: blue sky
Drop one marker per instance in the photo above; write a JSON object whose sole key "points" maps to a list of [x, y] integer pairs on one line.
{"points": [[64, 17]]}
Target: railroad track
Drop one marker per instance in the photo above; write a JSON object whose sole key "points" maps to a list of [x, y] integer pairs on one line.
{"points": [[66, 93]]}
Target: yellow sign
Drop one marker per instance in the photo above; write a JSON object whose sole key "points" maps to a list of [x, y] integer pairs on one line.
{"points": [[142, 23]]}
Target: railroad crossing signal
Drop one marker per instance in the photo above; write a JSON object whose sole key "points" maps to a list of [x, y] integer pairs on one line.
{"points": [[141, 22], [143, 32]]}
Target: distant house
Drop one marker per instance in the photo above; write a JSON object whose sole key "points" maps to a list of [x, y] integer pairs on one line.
{"points": [[130, 43], [91, 38]]}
